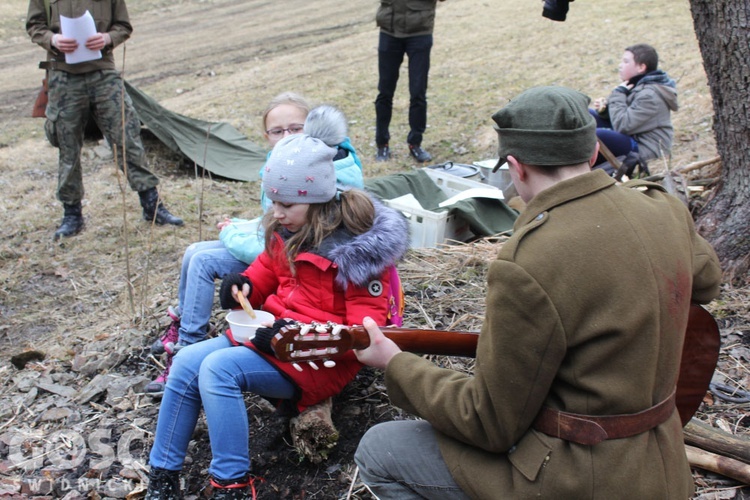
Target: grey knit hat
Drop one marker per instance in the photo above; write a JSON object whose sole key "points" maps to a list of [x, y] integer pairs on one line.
{"points": [[547, 126], [300, 168]]}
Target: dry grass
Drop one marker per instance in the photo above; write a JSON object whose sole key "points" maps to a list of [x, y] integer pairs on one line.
{"points": [[485, 52]]}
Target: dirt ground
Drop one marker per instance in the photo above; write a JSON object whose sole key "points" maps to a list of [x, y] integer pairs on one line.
{"points": [[92, 305]]}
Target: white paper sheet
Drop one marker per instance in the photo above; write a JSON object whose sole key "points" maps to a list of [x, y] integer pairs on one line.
{"points": [[80, 28], [488, 192]]}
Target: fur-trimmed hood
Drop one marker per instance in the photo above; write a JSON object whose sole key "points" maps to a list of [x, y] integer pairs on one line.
{"points": [[361, 257]]}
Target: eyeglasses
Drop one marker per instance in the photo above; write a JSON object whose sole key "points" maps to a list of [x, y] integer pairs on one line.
{"points": [[295, 128]]}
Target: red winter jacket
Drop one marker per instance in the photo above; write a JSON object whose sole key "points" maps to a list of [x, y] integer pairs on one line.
{"points": [[350, 282]]}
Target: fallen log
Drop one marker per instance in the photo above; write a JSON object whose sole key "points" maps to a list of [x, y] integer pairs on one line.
{"points": [[702, 435], [734, 469], [313, 432]]}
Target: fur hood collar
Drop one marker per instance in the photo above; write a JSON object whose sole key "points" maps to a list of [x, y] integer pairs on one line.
{"points": [[362, 257]]}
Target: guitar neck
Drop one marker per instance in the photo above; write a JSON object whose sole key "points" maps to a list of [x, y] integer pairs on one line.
{"points": [[448, 343], [313, 342], [294, 343]]}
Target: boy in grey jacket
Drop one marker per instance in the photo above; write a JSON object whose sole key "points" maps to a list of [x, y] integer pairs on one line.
{"points": [[637, 114]]}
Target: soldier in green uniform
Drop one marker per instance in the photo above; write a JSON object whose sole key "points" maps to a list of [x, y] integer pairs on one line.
{"points": [[572, 394], [95, 88]]}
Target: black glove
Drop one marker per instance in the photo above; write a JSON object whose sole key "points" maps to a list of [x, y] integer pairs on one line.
{"points": [[263, 336], [226, 298]]}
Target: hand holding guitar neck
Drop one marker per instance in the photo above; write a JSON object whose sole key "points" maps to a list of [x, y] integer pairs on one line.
{"points": [[381, 348], [322, 341]]}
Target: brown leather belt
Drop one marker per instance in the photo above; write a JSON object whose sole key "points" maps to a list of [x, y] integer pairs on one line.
{"points": [[593, 429]]}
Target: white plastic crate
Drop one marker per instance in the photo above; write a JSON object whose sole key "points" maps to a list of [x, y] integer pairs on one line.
{"points": [[428, 228]]}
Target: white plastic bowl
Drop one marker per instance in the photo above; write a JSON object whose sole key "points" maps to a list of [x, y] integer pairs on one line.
{"points": [[243, 326]]}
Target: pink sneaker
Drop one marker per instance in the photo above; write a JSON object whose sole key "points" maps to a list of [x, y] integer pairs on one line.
{"points": [[156, 387], [174, 313], [168, 340]]}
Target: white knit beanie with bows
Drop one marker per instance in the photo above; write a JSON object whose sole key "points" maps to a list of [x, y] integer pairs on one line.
{"points": [[300, 168]]}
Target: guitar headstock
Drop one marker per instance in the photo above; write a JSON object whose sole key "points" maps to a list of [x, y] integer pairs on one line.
{"points": [[298, 342]]}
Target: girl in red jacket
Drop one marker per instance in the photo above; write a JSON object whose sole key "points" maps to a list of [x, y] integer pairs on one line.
{"points": [[328, 257]]}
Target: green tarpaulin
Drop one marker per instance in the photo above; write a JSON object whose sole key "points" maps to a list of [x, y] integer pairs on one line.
{"points": [[224, 151], [218, 147]]}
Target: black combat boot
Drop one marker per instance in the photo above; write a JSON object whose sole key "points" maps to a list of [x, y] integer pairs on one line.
{"points": [[72, 221], [163, 484], [151, 204], [233, 489]]}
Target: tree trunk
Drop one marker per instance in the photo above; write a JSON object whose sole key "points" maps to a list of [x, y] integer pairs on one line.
{"points": [[723, 31], [313, 432]]}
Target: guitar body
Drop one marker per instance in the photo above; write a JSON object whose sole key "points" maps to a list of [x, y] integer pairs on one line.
{"points": [[295, 343], [699, 357]]}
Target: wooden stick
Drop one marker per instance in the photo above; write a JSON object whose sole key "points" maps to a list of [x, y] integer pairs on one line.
{"points": [[120, 184], [607, 154], [725, 466], [698, 164], [704, 436], [245, 304]]}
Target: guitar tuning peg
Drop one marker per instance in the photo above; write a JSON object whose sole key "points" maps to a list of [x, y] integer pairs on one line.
{"points": [[297, 367], [329, 363], [313, 365]]}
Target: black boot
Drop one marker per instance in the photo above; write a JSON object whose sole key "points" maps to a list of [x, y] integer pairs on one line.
{"points": [[232, 489], [163, 484], [72, 221], [151, 204]]}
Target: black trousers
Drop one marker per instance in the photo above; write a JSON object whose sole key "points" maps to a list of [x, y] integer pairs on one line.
{"points": [[391, 51]]}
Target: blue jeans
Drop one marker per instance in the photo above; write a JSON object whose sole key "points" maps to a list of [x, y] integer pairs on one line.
{"points": [[202, 264], [402, 460], [215, 374], [391, 51]]}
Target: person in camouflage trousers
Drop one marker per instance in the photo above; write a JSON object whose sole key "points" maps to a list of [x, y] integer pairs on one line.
{"points": [[94, 88]]}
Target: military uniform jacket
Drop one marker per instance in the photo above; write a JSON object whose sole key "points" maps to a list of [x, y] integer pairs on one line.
{"points": [[110, 16], [586, 309]]}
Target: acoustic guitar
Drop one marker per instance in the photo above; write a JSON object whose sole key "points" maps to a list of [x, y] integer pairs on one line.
{"points": [[328, 341]]}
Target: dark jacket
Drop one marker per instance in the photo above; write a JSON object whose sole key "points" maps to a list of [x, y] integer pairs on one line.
{"points": [[586, 309], [405, 18]]}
